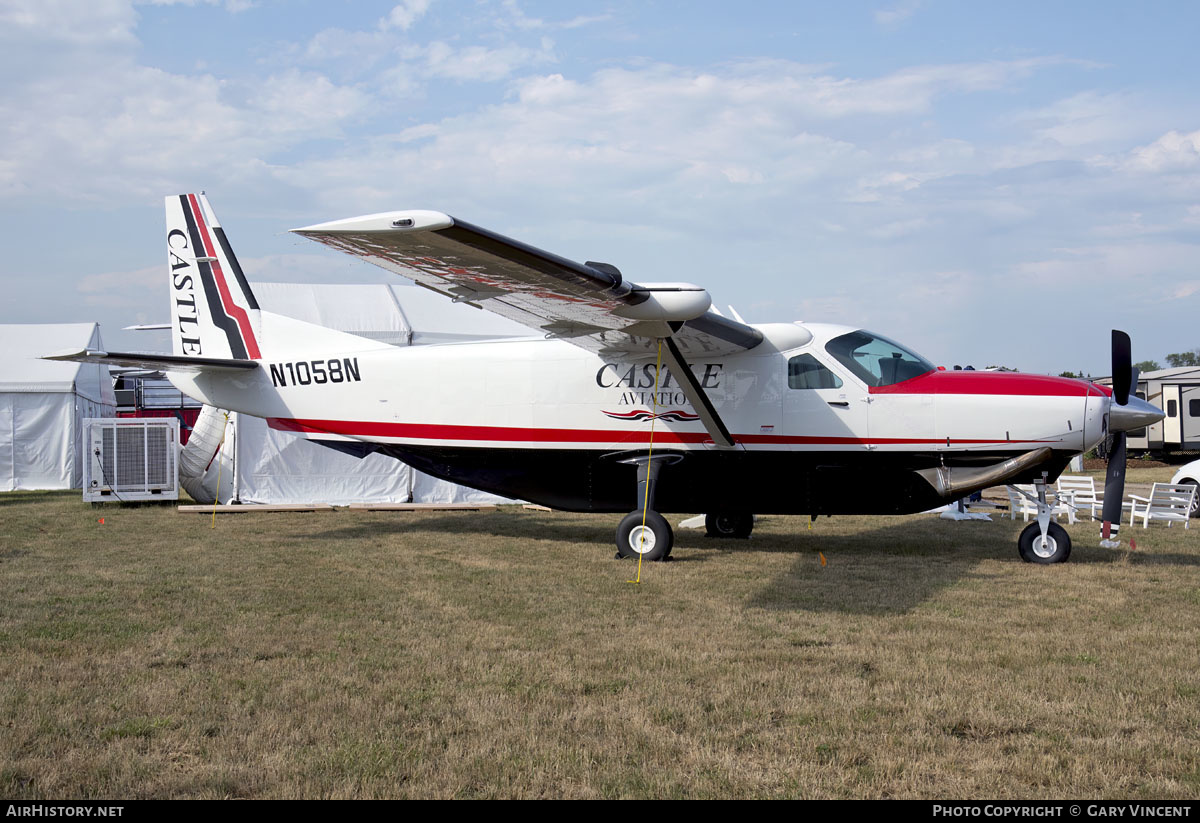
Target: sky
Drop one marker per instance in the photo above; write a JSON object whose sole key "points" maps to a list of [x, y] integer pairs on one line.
{"points": [[989, 183]]}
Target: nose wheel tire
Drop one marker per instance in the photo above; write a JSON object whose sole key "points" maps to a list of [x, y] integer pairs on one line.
{"points": [[729, 524], [651, 539], [1056, 548]]}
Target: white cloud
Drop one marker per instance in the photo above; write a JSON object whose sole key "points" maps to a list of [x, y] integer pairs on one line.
{"points": [[897, 13], [657, 129], [403, 15], [89, 124], [64, 20], [517, 18], [1185, 289], [1088, 119], [127, 283], [1143, 270], [900, 228], [1171, 152], [878, 187], [479, 62], [349, 48], [308, 102]]}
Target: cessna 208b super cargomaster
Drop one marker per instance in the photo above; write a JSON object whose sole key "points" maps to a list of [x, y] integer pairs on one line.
{"points": [[627, 397]]}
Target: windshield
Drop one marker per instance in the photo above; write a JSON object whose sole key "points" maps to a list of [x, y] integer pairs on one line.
{"points": [[875, 360]]}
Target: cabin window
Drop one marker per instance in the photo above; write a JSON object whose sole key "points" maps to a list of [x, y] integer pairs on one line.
{"points": [[1172, 408], [1194, 408], [807, 372], [876, 360]]}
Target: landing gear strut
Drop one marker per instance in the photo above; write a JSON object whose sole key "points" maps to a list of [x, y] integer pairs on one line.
{"points": [[644, 532], [1044, 541]]}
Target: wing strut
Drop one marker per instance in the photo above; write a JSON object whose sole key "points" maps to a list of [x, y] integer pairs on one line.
{"points": [[695, 393]]}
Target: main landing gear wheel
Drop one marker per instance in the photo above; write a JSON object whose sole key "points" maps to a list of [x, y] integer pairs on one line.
{"points": [[651, 540], [1056, 548], [729, 524]]}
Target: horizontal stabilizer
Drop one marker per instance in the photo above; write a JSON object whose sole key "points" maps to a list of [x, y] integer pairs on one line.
{"points": [[146, 360]]}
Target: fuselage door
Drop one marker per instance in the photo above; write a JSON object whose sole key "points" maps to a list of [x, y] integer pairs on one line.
{"points": [[901, 417], [822, 409]]}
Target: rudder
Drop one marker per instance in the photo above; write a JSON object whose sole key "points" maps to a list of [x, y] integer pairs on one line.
{"points": [[213, 309]]}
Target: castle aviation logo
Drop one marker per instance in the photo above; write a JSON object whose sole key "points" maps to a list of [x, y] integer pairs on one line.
{"points": [[673, 416], [640, 382], [187, 320]]}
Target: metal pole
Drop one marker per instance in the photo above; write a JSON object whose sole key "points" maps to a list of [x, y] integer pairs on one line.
{"points": [[237, 494]]}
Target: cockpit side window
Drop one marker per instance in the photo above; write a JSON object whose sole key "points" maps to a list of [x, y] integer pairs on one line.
{"points": [[806, 372], [876, 360]]}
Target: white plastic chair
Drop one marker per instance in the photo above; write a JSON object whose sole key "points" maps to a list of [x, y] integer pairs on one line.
{"points": [[1019, 503], [1166, 502], [1079, 490]]}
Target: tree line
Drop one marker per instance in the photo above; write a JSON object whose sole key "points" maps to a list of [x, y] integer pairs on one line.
{"points": [[1174, 361]]}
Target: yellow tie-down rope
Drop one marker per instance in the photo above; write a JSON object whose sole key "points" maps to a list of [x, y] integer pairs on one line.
{"points": [[649, 457]]}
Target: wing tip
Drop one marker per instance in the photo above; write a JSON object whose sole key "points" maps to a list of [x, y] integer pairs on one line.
{"points": [[382, 222]]}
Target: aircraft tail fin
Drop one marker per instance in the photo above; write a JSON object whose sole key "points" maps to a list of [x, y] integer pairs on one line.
{"points": [[214, 312]]}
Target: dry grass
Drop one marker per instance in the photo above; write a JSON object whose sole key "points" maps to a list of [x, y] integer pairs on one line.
{"points": [[505, 655]]}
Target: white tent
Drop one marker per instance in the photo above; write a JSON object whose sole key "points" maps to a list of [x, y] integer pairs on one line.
{"points": [[256, 464], [42, 404], [396, 314]]}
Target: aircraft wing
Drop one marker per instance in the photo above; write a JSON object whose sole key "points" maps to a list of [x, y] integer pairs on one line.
{"points": [[144, 360], [589, 304]]}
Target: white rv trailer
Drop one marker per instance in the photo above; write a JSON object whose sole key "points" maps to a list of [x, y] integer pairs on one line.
{"points": [[1177, 392]]}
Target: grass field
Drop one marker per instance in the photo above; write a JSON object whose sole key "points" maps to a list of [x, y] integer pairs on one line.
{"points": [[505, 655]]}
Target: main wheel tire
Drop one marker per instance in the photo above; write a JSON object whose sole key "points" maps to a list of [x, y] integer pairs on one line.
{"points": [[1056, 549], [648, 535], [729, 524]]}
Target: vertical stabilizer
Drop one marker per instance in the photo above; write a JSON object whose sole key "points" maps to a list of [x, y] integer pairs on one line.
{"points": [[213, 310]]}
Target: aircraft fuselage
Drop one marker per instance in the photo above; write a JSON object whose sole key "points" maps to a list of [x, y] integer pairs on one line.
{"points": [[547, 421]]}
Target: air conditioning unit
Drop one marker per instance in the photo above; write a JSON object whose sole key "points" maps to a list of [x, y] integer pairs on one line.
{"points": [[131, 458]]}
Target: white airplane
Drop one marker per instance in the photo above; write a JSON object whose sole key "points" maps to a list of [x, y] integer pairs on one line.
{"points": [[627, 397]]}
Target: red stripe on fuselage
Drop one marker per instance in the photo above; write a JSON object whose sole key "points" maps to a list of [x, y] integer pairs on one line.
{"points": [[366, 429], [1002, 383], [231, 308]]}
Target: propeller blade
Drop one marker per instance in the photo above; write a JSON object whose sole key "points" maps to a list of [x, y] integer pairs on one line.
{"points": [[1122, 365], [1114, 492]]}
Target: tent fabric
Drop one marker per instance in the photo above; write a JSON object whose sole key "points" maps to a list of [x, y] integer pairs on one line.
{"points": [[43, 404], [284, 468], [22, 371], [401, 315], [276, 467], [365, 310]]}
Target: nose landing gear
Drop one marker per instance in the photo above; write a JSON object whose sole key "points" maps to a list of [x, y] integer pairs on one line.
{"points": [[1044, 541]]}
